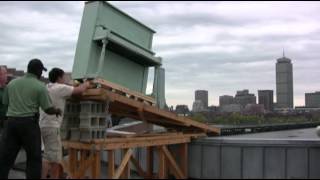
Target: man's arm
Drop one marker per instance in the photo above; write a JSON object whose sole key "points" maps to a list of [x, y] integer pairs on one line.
{"points": [[81, 88], [46, 104]]}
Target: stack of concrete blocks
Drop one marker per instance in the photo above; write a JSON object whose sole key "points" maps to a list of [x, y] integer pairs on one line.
{"points": [[92, 120], [84, 121], [71, 120]]}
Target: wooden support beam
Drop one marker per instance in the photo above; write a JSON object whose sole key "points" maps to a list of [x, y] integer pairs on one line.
{"points": [[149, 162], [141, 172], [183, 153], [123, 143], [111, 159], [123, 164], [175, 168], [162, 173], [126, 171], [84, 165], [72, 161], [96, 165]]}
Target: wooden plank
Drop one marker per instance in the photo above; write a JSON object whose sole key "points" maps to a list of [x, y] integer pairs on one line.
{"points": [[124, 162], [162, 173], [183, 153], [96, 165], [84, 165], [141, 172], [175, 168], [109, 84], [111, 159], [121, 143], [149, 161], [144, 144], [138, 139], [126, 171], [72, 161], [65, 166]]}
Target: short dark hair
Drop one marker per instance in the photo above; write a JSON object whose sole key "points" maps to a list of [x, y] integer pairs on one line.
{"points": [[55, 74]]}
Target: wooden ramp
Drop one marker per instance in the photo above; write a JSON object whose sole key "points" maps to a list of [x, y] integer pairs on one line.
{"points": [[127, 105], [179, 131]]}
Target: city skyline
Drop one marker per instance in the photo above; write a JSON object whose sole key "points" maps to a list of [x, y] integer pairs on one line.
{"points": [[217, 46]]}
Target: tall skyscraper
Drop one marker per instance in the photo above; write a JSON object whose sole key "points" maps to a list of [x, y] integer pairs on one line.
{"points": [[265, 98], [202, 95], [284, 79]]}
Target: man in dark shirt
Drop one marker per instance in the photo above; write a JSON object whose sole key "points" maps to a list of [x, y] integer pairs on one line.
{"points": [[24, 96]]}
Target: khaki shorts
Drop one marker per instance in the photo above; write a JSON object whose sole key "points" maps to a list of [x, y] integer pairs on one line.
{"points": [[52, 144]]}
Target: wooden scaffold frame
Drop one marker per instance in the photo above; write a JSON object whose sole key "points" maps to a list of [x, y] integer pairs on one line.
{"points": [[87, 156]]}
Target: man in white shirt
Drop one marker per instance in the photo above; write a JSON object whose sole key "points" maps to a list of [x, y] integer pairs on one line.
{"points": [[50, 125]]}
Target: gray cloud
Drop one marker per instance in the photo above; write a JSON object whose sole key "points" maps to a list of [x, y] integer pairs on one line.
{"points": [[218, 46]]}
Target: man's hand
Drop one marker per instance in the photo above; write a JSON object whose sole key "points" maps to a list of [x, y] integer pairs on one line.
{"points": [[86, 84], [54, 111], [58, 112], [81, 88]]}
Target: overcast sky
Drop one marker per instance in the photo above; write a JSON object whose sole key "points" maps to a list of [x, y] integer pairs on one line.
{"points": [[221, 47]]}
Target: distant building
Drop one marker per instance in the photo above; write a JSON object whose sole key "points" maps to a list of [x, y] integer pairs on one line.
{"points": [[13, 73], [254, 109], [225, 100], [230, 108], [243, 98], [202, 95], [303, 109], [182, 110], [265, 98], [198, 106], [284, 80], [312, 100], [213, 109]]}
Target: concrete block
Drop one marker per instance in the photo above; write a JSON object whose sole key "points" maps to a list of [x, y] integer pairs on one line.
{"points": [[93, 121], [102, 121], [65, 134], [88, 134], [75, 134], [91, 107], [72, 108], [70, 121], [89, 122]]}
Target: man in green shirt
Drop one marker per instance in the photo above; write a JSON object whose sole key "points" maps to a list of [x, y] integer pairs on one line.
{"points": [[3, 108], [24, 96]]}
